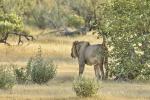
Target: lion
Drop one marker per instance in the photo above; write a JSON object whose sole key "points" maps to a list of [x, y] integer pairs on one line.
{"points": [[90, 55]]}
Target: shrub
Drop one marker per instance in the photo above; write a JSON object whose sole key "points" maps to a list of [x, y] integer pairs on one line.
{"points": [[41, 70], [75, 21], [21, 75], [7, 77], [85, 87]]}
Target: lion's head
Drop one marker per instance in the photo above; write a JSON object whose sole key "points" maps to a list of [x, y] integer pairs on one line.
{"points": [[74, 51]]}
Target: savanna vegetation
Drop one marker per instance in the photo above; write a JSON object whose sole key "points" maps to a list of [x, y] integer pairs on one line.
{"points": [[36, 37]]}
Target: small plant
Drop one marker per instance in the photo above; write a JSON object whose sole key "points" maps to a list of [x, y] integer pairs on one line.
{"points": [[7, 77], [41, 70], [21, 75], [85, 87]]}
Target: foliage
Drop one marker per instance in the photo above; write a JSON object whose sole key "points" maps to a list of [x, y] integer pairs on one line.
{"points": [[20, 7], [84, 9], [145, 74], [75, 21], [40, 15], [41, 70], [21, 75], [81, 8], [9, 23], [126, 24], [49, 13], [85, 87], [7, 77]]}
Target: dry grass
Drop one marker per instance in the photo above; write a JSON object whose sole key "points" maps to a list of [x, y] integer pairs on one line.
{"points": [[58, 49]]}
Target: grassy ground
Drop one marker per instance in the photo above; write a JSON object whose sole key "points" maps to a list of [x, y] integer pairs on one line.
{"points": [[60, 88]]}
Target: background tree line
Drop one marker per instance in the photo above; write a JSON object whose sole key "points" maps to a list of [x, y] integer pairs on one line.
{"points": [[49, 13]]}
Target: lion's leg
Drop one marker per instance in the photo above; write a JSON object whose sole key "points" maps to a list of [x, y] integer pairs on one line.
{"points": [[81, 69], [96, 69], [81, 64], [102, 72]]}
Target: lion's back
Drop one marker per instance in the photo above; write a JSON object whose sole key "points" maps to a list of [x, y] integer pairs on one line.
{"points": [[92, 52]]}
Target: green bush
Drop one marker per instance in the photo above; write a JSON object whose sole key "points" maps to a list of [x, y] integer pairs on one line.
{"points": [[41, 70], [145, 73], [75, 21], [21, 75], [7, 77], [10, 22], [85, 87]]}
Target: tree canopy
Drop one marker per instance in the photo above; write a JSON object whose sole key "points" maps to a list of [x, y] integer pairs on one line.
{"points": [[126, 24]]}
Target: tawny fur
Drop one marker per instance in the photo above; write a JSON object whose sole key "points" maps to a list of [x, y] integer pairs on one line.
{"points": [[90, 55]]}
